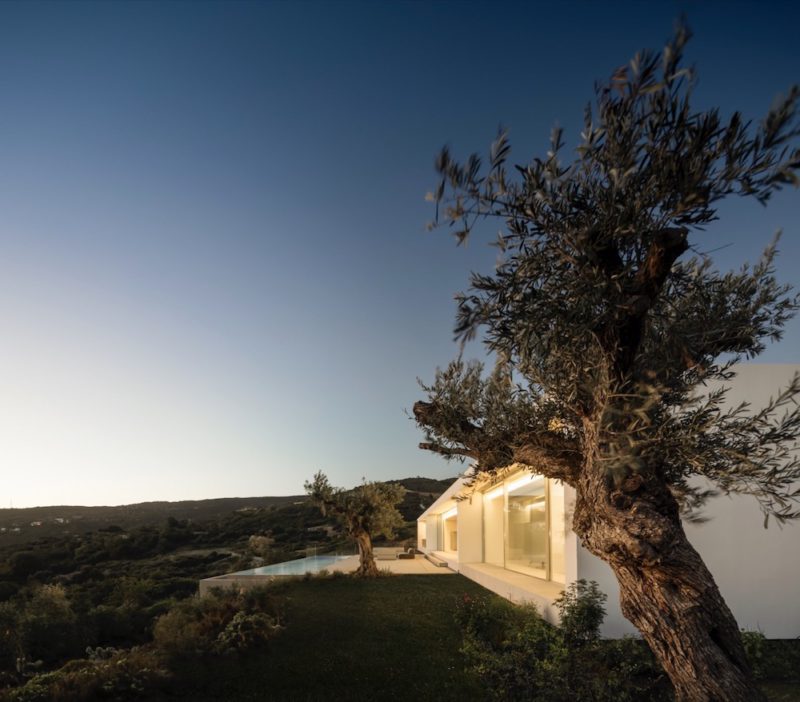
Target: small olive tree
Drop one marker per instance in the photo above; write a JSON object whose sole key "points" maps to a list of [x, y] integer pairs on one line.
{"points": [[368, 510], [610, 329]]}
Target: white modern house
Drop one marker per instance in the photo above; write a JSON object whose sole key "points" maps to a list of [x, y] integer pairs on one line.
{"points": [[513, 536]]}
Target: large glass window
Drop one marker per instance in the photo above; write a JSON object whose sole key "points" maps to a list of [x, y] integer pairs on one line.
{"points": [[524, 528]]}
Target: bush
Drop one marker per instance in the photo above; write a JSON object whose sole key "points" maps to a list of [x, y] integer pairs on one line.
{"points": [[772, 659], [753, 642], [124, 675], [7, 590], [521, 657], [632, 670], [9, 641], [246, 631], [47, 627], [24, 563], [222, 621], [505, 645], [582, 610], [120, 626], [783, 659]]}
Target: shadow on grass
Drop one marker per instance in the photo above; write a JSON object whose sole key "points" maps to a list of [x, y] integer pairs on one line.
{"points": [[391, 638]]}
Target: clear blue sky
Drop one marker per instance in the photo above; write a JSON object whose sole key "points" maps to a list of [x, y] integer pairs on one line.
{"points": [[215, 277]]}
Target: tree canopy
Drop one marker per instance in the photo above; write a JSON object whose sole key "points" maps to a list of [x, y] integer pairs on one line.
{"points": [[366, 511], [590, 308]]}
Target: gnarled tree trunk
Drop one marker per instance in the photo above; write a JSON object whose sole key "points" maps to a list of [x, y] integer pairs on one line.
{"points": [[366, 567], [666, 591]]}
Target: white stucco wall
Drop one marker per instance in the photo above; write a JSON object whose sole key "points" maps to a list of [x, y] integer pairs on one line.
{"points": [[432, 533], [470, 529], [757, 570]]}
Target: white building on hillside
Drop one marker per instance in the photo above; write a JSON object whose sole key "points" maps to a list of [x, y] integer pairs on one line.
{"points": [[514, 538]]}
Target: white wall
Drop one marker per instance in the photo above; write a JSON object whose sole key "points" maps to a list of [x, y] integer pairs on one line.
{"points": [[432, 533], [757, 570], [493, 530], [470, 529], [422, 532]]}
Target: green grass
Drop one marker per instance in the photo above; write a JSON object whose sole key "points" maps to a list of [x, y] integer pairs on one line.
{"points": [[392, 638]]}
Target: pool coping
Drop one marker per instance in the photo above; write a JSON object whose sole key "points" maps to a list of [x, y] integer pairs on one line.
{"points": [[415, 566]]}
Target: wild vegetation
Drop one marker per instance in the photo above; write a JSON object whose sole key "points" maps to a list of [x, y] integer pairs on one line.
{"points": [[518, 656], [359, 640], [123, 597], [334, 637], [614, 337], [226, 623]]}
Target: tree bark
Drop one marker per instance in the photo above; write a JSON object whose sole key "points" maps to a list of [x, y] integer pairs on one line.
{"points": [[366, 567], [666, 591]]}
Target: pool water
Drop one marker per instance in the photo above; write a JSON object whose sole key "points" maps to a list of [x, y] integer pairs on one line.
{"points": [[310, 564]]}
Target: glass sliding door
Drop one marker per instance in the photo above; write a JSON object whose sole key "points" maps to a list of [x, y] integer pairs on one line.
{"points": [[527, 532], [525, 527]]}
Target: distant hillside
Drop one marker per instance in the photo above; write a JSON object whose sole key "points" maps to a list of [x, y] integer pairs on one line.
{"points": [[19, 526], [422, 493], [425, 485]]}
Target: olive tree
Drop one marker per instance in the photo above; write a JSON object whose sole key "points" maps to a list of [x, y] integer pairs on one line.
{"points": [[614, 337], [368, 510]]}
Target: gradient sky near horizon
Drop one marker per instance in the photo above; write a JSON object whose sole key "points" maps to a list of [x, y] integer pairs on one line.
{"points": [[215, 276]]}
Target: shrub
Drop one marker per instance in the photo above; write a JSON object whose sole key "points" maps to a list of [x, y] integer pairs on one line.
{"points": [[772, 659], [182, 632], [120, 626], [24, 563], [246, 631], [753, 642], [521, 657], [507, 645], [7, 590], [631, 670], [47, 627], [582, 610], [782, 659], [124, 675], [9, 640], [201, 625]]}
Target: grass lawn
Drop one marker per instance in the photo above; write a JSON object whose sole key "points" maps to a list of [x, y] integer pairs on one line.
{"points": [[392, 638]]}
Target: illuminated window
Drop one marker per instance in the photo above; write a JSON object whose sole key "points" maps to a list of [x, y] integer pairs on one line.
{"points": [[523, 527], [526, 528]]}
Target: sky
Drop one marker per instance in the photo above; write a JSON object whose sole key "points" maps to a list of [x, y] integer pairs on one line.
{"points": [[215, 273]]}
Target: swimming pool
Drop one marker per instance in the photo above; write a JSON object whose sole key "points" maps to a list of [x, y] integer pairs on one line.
{"points": [[310, 564]]}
